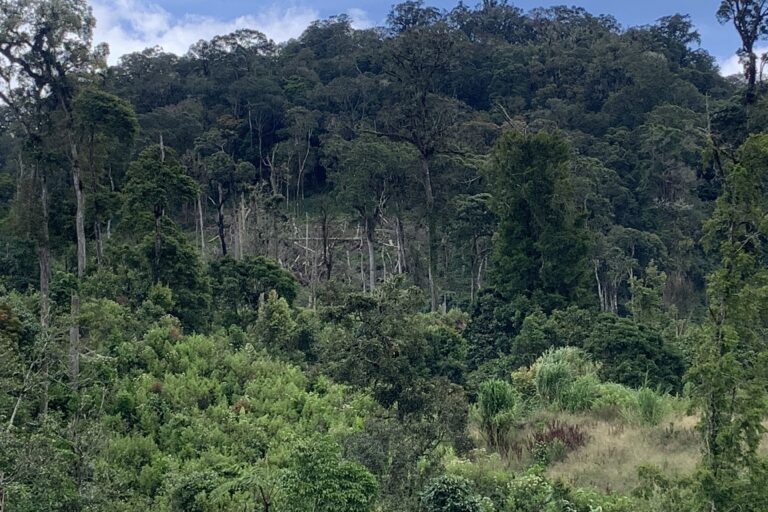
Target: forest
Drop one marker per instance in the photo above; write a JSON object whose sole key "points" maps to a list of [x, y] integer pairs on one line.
{"points": [[473, 260]]}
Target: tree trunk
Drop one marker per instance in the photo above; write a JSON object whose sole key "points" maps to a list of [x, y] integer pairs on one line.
{"points": [[370, 238], [201, 225], [751, 72], [44, 259], [220, 212], [402, 260], [79, 214], [431, 228], [327, 255]]}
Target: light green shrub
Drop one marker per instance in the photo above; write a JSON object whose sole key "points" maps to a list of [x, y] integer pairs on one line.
{"points": [[499, 406], [649, 407], [612, 400], [581, 394]]}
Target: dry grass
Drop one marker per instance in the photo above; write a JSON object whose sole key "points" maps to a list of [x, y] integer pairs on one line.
{"points": [[614, 450], [610, 459]]}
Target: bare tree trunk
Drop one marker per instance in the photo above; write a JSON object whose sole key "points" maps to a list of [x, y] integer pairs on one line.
{"points": [[327, 255], [44, 259], [79, 214], [431, 229], [74, 329], [220, 223], [201, 224], [370, 238], [362, 265], [402, 260], [242, 218]]}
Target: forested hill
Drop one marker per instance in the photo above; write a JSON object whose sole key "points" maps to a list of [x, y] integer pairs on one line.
{"points": [[473, 260]]}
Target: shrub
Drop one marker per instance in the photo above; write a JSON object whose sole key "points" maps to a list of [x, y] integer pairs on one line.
{"points": [[648, 407], [612, 400], [558, 369], [581, 394], [555, 441], [500, 406], [552, 379], [450, 493]]}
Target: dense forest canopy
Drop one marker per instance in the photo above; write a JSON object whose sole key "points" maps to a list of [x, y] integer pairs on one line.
{"points": [[476, 259]]}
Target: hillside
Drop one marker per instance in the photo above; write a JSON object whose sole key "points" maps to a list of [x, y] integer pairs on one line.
{"points": [[474, 260]]}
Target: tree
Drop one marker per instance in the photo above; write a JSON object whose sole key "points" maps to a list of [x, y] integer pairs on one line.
{"points": [[419, 61], [730, 367], [541, 244], [239, 285], [320, 481], [155, 183], [43, 46], [750, 18], [105, 127], [366, 173]]}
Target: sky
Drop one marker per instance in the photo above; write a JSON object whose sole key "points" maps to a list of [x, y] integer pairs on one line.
{"points": [[132, 25]]}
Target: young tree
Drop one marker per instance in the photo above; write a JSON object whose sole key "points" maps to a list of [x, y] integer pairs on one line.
{"points": [[731, 365], [155, 183]]}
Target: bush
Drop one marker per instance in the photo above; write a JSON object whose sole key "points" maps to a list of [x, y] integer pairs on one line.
{"points": [[500, 406], [648, 407], [556, 371], [555, 441], [612, 400], [581, 394], [450, 493]]}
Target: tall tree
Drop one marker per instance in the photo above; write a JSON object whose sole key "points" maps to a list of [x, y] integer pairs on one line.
{"points": [[732, 362], [750, 18], [542, 246], [419, 60], [366, 174], [43, 46]]}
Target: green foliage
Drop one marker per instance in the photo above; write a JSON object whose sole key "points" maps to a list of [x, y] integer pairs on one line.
{"points": [[728, 374], [500, 408], [319, 480], [450, 494], [648, 407], [237, 286], [558, 370], [275, 326], [541, 246], [633, 354]]}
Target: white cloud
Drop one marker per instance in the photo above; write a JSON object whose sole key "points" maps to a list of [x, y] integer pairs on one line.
{"points": [[132, 25], [732, 65], [360, 19]]}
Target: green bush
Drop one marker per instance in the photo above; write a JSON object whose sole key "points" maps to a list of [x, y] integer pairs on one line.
{"points": [[612, 400], [581, 394], [450, 493], [499, 406], [556, 372], [649, 407]]}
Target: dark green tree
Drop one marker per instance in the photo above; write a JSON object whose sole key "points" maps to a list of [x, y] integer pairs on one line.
{"points": [[541, 246], [729, 372]]}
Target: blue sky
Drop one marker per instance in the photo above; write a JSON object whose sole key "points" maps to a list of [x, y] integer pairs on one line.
{"points": [[129, 25]]}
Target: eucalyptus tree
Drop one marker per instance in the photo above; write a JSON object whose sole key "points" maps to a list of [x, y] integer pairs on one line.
{"points": [[44, 47], [366, 173]]}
